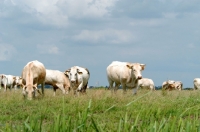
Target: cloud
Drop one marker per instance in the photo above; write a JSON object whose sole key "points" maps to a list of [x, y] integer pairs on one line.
{"points": [[7, 52], [47, 49], [112, 36], [56, 12], [86, 8]]}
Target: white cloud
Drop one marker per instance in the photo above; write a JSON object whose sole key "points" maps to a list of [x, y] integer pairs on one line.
{"points": [[109, 35], [86, 8], [57, 12], [7, 51], [47, 49]]}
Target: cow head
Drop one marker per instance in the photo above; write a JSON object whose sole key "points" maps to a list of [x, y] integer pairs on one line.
{"points": [[73, 75], [29, 91], [136, 69]]}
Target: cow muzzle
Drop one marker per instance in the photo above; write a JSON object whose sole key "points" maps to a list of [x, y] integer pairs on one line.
{"points": [[73, 81], [139, 77]]}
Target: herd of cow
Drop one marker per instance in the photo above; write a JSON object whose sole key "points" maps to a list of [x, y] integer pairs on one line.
{"points": [[129, 75], [34, 73], [126, 74]]}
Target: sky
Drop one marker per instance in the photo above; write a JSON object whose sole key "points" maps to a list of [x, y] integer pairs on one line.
{"points": [[162, 34]]}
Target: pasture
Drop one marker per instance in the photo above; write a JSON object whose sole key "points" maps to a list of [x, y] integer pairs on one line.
{"points": [[101, 111]]}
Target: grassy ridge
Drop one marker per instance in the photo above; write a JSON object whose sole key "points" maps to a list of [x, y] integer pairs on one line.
{"points": [[99, 110]]}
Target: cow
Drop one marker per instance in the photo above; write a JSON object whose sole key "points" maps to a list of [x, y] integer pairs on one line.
{"points": [[178, 85], [33, 74], [58, 80], [196, 84], [2, 80], [146, 83], [172, 85], [18, 82], [124, 73], [168, 85], [7, 81], [78, 77]]}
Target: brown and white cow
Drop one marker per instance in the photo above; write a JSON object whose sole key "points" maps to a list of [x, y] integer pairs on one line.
{"points": [[125, 74], [178, 85], [78, 77], [33, 74], [168, 85], [172, 85], [58, 80], [146, 83]]}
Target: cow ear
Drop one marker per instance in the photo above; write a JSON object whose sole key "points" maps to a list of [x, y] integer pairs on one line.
{"points": [[35, 86], [129, 66], [143, 66], [67, 73], [80, 73]]}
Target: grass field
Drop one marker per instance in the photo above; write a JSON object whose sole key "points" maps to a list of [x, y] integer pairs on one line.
{"points": [[101, 111]]}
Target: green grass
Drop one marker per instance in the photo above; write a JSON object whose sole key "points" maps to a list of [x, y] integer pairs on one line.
{"points": [[101, 111]]}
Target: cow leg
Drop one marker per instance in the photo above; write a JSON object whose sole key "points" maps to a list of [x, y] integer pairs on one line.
{"points": [[5, 88], [124, 87], [60, 86], [111, 85], [135, 89], [83, 90], [42, 87], [67, 89], [54, 91], [116, 87]]}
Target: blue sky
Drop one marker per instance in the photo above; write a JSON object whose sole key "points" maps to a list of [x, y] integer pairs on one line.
{"points": [[163, 34]]}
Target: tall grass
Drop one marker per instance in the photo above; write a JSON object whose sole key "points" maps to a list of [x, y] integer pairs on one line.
{"points": [[100, 110]]}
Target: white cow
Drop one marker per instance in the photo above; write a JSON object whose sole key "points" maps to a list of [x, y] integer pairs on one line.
{"points": [[58, 80], [18, 82], [124, 73], [196, 83], [33, 74], [2, 80], [146, 83], [7, 81], [78, 77]]}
